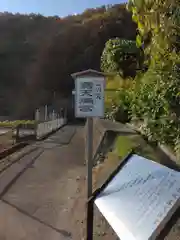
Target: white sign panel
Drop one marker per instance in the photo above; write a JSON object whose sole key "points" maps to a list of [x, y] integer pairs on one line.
{"points": [[89, 97], [140, 200]]}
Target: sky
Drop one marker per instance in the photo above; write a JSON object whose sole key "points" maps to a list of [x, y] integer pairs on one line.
{"points": [[52, 7]]}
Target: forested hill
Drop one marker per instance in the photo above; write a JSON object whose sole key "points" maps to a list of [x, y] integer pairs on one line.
{"points": [[38, 54]]}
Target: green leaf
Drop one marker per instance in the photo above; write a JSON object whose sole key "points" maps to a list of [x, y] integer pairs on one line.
{"points": [[138, 41]]}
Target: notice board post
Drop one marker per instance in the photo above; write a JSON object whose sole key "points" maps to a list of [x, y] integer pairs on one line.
{"points": [[89, 156], [89, 103]]}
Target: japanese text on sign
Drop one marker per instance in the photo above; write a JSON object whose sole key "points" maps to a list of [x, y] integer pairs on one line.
{"points": [[89, 98]]}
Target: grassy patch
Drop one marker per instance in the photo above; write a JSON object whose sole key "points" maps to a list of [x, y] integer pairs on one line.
{"points": [[124, 144], [12, 124]]}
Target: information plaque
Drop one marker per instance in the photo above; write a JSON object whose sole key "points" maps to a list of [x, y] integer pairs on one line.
{"points": [[140, 199]]}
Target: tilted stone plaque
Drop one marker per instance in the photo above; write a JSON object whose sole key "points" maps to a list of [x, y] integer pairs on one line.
{"points": [[140, 199]]}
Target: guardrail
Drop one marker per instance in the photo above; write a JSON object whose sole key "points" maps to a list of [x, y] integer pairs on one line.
{"points": [[45, 128], [39, 131]]}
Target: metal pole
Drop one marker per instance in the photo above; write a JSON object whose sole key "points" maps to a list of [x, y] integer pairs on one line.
{"points": [[37, 117], [89, 153], [89, 158], [53, 115], [45, 113]]}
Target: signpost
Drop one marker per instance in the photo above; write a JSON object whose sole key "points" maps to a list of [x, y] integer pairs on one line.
{"points": [[89, 103]]}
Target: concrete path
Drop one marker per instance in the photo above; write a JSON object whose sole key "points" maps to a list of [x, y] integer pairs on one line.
{"points": [[38, 203]]}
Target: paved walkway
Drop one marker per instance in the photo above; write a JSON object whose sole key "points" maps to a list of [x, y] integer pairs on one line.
{"points": [[39, 203]]}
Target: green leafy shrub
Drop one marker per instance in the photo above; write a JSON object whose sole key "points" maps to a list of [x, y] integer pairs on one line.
{"points": [[118, 98], [119, 110], [153, 103], [120, 56], [156, 99], [153, 100]]}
